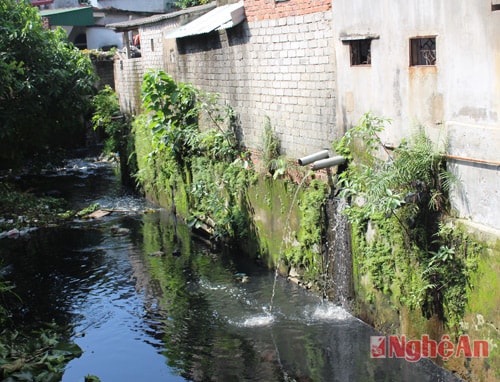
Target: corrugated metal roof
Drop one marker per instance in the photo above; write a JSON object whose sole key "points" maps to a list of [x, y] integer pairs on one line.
{"points": [[79, 16], [133, 24], [223, 17]]}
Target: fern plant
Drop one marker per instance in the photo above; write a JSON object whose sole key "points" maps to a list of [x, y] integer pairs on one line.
{"points": [[273, 162], [404, 195]]}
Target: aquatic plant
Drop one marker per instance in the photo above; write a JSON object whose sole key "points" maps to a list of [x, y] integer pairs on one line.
{"points": [[41, 357], [20, 209]]}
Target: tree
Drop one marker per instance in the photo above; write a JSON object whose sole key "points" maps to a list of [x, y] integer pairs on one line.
{"points": [[45, 86], [190, 3]]}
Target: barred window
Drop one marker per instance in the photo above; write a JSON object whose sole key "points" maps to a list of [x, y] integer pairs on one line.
{"points": [[423, 51]]}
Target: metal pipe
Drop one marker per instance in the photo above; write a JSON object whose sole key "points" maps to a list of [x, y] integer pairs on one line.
{"points": [[473, 160], [313, 157], [459, 158], [329, 162]]}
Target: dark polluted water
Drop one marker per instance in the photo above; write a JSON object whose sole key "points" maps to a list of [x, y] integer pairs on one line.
{"points": [[191, 314]]}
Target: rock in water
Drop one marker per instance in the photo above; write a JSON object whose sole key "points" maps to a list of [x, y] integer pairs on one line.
{"points": [[119, 231]]}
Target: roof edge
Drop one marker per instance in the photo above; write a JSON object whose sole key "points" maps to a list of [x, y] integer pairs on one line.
{"points": [[133, 24]]}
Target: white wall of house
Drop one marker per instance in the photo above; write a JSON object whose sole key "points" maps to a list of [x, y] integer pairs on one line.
{"points": [[65, 3], [457, 100], [139, 6], [100, 37]]}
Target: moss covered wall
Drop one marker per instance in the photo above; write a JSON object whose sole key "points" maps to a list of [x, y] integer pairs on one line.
{"points": [[262, 213], [482, 317], [274, 217], [481, 320]]}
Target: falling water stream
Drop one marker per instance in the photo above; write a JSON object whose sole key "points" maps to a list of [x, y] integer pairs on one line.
{"points": [[142, 311], [339, 283], [286, 239]]}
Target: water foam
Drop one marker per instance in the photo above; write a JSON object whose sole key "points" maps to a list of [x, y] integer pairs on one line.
{"points": [[330, 312], [260, 320]]}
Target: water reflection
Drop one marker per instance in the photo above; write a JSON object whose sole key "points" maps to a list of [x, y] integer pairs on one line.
{"points": [[188, 316]]}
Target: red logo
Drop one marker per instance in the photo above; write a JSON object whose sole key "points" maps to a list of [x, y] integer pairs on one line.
{"points": [[414, 350], [377, 346]]}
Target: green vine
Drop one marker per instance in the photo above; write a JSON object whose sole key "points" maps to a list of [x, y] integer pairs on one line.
{"points": [[117, 130]]}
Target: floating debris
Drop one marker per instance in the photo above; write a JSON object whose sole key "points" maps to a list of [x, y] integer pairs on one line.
{"points": [[119, 231], [242, 277], [97, 214]]}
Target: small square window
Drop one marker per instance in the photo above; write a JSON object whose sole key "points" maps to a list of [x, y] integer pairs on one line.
{"points": [[360, 52], [423, 51]]}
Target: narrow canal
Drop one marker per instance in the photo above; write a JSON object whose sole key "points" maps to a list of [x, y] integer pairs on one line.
{"points": [[146, 301]]}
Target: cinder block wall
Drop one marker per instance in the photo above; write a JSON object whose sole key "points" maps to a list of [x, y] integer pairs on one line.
{"points": [[104, 70], [152, 43], [128, 80], [278, 64]]}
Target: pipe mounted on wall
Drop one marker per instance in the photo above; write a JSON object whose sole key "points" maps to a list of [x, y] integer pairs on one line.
{"points": [[313, 157], [329, 162]]}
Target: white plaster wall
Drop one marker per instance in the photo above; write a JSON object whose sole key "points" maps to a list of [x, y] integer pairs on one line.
{"points": [[65, 3], [456, 100], [99, 37], [140, 6]]}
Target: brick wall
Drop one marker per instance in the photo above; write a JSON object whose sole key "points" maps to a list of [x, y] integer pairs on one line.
{"points": [[104, 71], [277, 65], [277, 68], [128, 79], [270, 9], [152, 43]]}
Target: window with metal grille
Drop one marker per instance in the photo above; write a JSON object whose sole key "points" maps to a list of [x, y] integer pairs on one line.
{"points": [[423, 51], [360, 52]]}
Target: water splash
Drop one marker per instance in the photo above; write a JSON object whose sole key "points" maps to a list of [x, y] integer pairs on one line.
{"points": [[264, 319], [285, 239], [329, 312]]}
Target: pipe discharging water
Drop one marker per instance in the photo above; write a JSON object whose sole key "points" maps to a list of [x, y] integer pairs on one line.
{"points": [[328, 162], [313, 157]]}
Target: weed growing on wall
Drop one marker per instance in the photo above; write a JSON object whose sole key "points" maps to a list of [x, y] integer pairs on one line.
{"points": [[202, 169], [306, 253], [398, 203], [188, 156], [272, 161]]}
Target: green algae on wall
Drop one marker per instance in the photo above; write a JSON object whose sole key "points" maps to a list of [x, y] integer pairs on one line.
{"points": [[416, 271], [273, 216], [481, 320], [213, 185]]}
